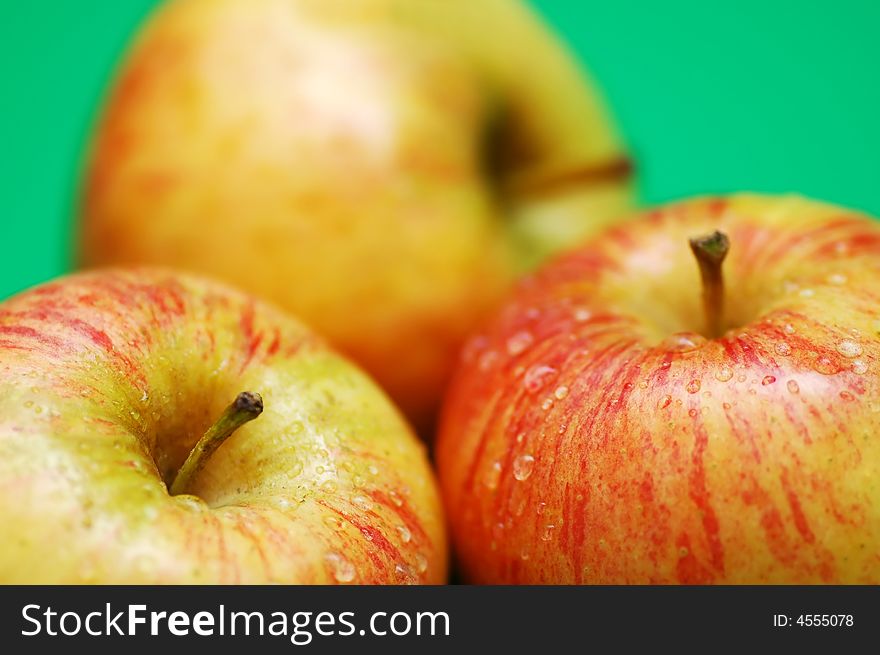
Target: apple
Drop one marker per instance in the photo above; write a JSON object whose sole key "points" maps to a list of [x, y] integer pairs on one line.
{"points": [[383, 169], [614, 425], [161, 428]]}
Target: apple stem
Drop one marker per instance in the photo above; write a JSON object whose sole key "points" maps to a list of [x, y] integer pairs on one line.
{"points": [[710, 251], [245, 408]]}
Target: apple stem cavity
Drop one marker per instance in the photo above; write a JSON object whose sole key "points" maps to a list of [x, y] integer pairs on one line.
{"points": [[710, 251], [245, 408]]}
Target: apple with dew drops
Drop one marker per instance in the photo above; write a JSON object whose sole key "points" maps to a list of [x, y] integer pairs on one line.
{"points": [[162, 428], [616, 424]]}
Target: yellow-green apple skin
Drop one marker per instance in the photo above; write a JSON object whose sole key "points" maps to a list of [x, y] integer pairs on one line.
{"points": [[382, 168], [593, 435], [108, 379]]}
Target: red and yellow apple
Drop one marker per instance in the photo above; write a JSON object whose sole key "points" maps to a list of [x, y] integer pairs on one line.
{"points": [[108, 382], [609, 426], [381, 168]]}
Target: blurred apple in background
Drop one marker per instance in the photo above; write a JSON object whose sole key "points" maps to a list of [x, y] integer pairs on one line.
{"points": [[610, 426], [108, 381], [383, 168]]}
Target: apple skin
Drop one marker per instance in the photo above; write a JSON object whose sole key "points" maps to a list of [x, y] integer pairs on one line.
{"points": [[380, 168], [108, 379], [592, 435]]}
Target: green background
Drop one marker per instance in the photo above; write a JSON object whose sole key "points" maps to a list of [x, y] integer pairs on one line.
{"points": [[763, 95]]}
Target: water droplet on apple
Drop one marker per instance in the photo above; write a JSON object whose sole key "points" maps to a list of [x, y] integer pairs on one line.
{"points": [[768, 379], [362, 503], [329, 486], [340, 568], [547, 533], [665, 365], [405, 534], [28, 404], [524, 555], [806, 293], [519, 342], [684, 342], [692, 412], [492, 476], [628, 386], [539, 509], [421, 563], [395, 498], [788, 328], [836, 278], [296, 468], [561, 392], [333, 522], [665, 401], [582, 314], [793, 386], [782, 348], [825, 366], [723, 374], [849, 348], [846, 396], [523, 467], [487, 360], [547, 404], [725, 405], [693, 386], [859, 367], [299, 493], [537, 377], [405, 573]]}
